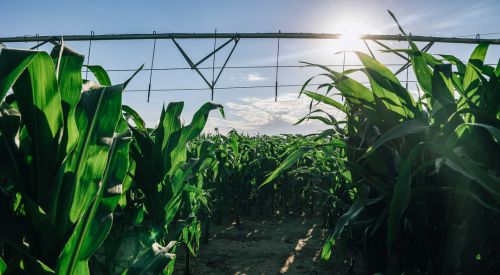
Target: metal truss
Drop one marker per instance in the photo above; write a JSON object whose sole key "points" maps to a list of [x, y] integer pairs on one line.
{"points": [[233, 39]]}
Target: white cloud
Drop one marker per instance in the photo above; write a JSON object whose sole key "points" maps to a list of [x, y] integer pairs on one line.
{"points": [[257, 115], [248, 77], [255, 77]]}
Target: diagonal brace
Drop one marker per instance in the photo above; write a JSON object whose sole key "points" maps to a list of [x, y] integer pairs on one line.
{"points": [[369, 49], [388, 48], [216, 50], [194, 66], [236, 40], [191, 64], [54, 40]]}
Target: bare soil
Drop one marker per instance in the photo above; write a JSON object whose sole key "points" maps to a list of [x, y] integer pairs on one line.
{"points": [[269, 245]]}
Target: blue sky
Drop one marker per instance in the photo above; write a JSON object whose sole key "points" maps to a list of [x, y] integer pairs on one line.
{"points": [[249, 110]]}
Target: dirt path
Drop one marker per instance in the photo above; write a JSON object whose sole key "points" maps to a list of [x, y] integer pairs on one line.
{"points": [[273, 245]]}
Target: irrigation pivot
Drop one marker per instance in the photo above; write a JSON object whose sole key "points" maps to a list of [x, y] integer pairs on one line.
{"points": [[270, 35], [232, 40]]}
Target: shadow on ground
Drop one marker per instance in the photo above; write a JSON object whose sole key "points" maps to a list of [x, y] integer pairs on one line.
{"points": [[273, 245]]}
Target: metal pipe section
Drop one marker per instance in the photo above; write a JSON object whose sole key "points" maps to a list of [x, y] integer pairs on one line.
{"points": [[110, 37]]}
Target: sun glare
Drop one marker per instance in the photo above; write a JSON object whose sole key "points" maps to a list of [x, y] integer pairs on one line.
{"points": [[351, 31], [349, 41]]}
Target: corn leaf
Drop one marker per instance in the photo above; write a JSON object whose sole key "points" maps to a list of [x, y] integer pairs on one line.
{"points": [[400, 197], [100, 74], [399, 131]]}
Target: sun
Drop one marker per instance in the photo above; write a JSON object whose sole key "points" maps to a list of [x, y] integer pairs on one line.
{"points": [[351, 31]]}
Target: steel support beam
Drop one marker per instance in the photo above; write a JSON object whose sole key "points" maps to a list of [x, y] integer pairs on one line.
{"points": [[109, 37], [390, 49], [194, 66], [369, 49], [53, 40]]}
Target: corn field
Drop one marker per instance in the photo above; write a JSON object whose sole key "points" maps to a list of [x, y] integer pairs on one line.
{"points": [[410, 184]]}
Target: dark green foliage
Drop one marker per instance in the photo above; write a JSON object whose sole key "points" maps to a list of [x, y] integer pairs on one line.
{"points": [[426, 169], [59, 162]]}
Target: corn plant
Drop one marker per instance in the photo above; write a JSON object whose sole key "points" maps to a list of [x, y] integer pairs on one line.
{"points": [[63, 158], [426, 169], [239, 161], [166, 193], [243, 162]]}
